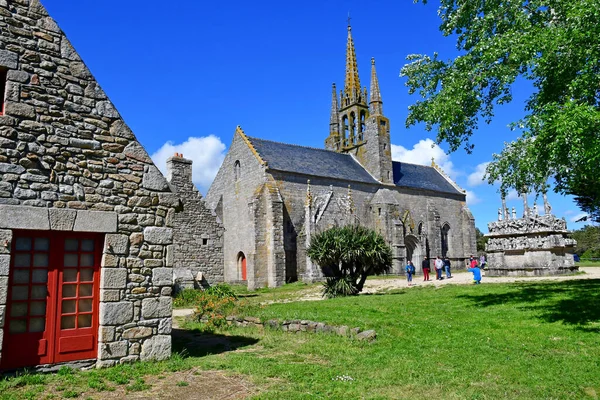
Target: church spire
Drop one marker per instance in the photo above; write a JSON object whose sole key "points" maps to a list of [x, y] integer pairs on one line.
{"points": [[352, 90], [334, 108], [375, 103]]}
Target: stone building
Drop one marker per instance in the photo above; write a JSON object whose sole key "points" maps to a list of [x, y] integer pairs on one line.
{"points": [[198, 245], [532, 245], [86, 249], [272, 197]]}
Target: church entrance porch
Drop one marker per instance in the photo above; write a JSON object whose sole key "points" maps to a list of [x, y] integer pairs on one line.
{"points": [[414, 250], [53, 298]]}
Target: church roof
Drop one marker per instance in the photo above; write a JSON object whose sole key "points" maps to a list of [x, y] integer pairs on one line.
{"points": [[310, 161], [329, 164], [421, 177]]}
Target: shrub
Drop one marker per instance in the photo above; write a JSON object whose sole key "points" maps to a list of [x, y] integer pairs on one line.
{"points": [[212, 310], [347, 255]]}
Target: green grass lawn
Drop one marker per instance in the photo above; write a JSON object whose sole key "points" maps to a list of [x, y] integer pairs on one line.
{"points": [[588, 264], [537, 340]]}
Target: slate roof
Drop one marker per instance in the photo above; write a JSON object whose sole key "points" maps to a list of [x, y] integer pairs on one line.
{"points": [[329, 164], [421, 177]]}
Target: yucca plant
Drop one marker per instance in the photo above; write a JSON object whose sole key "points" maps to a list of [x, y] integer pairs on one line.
{"points": [[347, 255]]}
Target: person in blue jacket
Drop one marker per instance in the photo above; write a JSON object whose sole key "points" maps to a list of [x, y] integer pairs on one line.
{"points": [[476, 274], [410, 270]]}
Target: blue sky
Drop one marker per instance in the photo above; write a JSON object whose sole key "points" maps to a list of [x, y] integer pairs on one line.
{"points": [[184, 74]]}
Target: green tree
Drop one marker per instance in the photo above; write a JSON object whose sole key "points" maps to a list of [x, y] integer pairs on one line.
{"points": [[480, 239], [588, 241], [555, 44], [347, 255]]}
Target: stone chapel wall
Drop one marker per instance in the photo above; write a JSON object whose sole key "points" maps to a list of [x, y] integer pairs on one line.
{"points": [[69, 163], [197, 232]]}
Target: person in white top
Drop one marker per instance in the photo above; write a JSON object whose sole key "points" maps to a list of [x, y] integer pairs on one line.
{"points": [[439, 265]]}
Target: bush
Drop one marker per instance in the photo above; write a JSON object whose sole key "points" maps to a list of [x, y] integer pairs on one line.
{"points": [[212, 310], [347, 255]]}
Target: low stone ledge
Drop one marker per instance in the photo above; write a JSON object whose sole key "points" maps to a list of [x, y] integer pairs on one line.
{"points": [[295, 326]]}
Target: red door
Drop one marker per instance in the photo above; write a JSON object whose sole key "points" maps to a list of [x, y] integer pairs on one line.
{"points": [[244, 272], [52, 311]]}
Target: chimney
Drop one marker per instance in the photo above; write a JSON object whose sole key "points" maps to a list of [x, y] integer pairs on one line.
{"points": [[179, 172]]}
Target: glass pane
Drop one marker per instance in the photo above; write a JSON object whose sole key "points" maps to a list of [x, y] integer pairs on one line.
{"points": [[40, 276], [40, 260], [37, 324], [71, 244], [20, 292], [85, 305], [86, 260], [22, 260], [87, 245], [18, 309], [23, 243], [42, 244], [69, 291], [84, 321], [18, 326], [70, 260], [85, 290], [38, 308], [70, 275], [86, 275], [68, 306], [21, 276], [67, 322], [38, 291]]}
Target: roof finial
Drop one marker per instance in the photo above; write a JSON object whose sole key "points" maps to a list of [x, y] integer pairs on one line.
{"points": [[349, 27]]}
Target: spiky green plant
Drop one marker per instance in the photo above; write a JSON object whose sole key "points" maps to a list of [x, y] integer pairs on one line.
{"points": [[347, 255]]}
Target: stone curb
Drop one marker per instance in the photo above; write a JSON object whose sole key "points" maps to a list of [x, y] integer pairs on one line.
{"points": [[295, 326]]}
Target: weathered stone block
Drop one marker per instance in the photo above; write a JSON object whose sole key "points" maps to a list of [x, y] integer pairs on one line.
{"points": [[62, 220], [154, 180], [8, 59], [110, 260], [137, 333], [110, 295], [165, 326], [4, 264], [95, 221], [156, 235], [367, 335], [157, 307], [106, 109], [21, 217], [106, 334], [162, 276], [137, 152], [116, 313], [156, 348], [113, 278], [3, 289], [19, 110], [113, 350], [117, 244]]}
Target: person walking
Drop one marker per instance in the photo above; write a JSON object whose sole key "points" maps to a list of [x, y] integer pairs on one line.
{"points": [[425, 267], [482, 261], [410, 270], [439, 264], [447, 267]]}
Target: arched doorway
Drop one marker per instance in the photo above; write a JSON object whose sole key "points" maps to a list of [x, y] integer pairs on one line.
{"points": [[445, 230], [414, 250], [241, 262]]}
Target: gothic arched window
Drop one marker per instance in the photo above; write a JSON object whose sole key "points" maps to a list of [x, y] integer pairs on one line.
{"points": [[237, 170], [445, 230]]}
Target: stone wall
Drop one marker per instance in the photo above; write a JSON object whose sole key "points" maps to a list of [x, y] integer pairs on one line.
{"points": [[197, 232], [68, 162], [236, 198]]}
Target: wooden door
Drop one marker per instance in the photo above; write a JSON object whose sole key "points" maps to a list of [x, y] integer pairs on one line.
{"points": [[52, 310], [244, 271]]}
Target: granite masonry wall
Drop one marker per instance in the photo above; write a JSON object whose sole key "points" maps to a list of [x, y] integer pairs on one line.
{"points": [[68, 162], [198, 233], [233, 196]]}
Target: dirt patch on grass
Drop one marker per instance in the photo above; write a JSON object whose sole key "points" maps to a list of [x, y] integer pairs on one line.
{"points": [[184, 385]]}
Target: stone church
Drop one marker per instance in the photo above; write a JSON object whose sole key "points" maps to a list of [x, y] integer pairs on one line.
{"points": [[273, 197]]}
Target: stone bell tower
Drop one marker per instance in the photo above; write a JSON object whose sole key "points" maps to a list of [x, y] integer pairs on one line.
{"points": [[357, 128]]}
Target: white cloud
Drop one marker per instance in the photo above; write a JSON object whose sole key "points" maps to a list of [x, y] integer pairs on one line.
{"points": [[422, 152], [577, 217], [472, 198], [512, 195], [476, 178], [207, 154]]}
